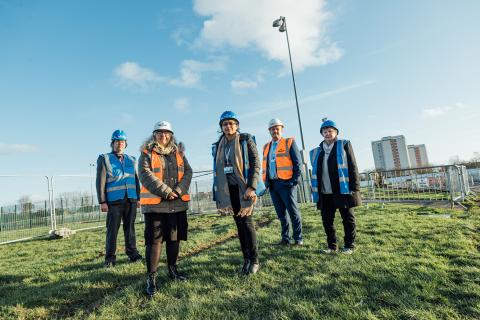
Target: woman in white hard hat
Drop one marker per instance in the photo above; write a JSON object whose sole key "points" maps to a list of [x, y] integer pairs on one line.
{"points": [[165, 176], [335, 185], [236, 174]]}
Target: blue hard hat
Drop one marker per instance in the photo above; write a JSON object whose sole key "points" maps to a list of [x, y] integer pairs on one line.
{"points": [[328, 124], [228, 115], [119, 135]]}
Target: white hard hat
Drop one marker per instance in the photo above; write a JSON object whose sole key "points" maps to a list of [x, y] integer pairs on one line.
{"points": [[275, 122], [163, 125]]}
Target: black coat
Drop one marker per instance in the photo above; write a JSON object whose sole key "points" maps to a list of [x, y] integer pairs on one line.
{"points": [[341, 200]]}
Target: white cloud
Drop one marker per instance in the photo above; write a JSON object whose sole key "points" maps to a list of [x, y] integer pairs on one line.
{"points": [[305, 102], [337, 91], [441, 111], [191, 71], [8, 149], [248, 24], [182, 104], [181, 35], [127, 119], [131, 74], [240, 86]]}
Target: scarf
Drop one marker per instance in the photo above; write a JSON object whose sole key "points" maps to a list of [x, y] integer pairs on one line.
{"points": [[222, 195], [325, 178], [164, 150]]}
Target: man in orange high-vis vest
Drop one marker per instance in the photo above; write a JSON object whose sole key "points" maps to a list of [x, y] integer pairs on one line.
{"points": [[281, 172]]}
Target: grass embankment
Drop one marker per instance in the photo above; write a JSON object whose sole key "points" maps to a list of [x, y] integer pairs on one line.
{"points": [[408, 265]]}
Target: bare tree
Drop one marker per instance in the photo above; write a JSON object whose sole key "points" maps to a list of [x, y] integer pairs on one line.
{"points": [[26, 204]]}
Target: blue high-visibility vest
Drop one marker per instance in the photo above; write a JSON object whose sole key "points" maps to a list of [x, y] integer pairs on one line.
{"points": [[342, 169], [120, 177]]}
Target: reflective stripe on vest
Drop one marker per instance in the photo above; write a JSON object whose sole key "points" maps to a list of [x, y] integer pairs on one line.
{"points": [[120, 177], [314, 154], [157, 168], [342, 166], [282, 159]]}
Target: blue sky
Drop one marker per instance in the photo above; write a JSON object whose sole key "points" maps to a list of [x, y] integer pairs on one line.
{"points": [[73, 71]]}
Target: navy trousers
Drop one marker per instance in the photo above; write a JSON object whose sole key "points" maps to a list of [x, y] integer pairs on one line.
{"points": [[126, 211], [284, 198]]}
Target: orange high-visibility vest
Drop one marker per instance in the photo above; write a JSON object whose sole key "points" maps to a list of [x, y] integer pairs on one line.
{"points": [[282, 159], [148, 198]]}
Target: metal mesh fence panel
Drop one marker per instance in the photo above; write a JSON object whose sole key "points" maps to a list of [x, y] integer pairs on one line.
{"points": [[28, 215], [430, 184], [50, 203]]}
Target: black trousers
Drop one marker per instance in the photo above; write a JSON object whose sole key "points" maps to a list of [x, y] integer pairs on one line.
{"points": [[328, 216], [245, 228], [118, 211]]}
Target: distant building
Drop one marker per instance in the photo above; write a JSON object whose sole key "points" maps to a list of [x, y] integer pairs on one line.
{"points": [[418, 156], [390, 153]]}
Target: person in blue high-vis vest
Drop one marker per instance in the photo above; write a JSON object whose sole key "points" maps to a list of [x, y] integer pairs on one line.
{"points": [[335, 185], [118, 192]]}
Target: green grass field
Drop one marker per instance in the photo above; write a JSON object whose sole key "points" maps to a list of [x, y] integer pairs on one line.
{"points": [[411, 263]]}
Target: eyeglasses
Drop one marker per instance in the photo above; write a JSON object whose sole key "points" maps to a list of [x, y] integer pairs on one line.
{"points": [[165, 133], [228, 123]]}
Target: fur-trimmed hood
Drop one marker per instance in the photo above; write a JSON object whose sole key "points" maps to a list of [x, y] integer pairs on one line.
{"points": [[151, 144]]}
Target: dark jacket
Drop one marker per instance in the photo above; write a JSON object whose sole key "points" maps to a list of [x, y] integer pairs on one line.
{"points": [[295, 157], [101, 182], [169, 183], [341, 200], [253, 159]]}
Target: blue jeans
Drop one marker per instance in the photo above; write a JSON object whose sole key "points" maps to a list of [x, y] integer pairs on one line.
{"points": [[284, 198]]}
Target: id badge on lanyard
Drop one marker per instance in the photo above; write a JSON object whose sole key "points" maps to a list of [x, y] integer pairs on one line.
{"points": [[228, 167]]}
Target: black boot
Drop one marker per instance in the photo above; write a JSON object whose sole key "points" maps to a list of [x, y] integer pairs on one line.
{"points": [[151, 284], [173, 273], [245, 267]]}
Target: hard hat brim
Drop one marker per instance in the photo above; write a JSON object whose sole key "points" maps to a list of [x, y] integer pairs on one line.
{"points": [[162, 130], [282, 125], [221, 121]]}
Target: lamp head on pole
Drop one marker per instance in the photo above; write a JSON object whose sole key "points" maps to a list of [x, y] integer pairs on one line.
{"points": [[280, 24]]}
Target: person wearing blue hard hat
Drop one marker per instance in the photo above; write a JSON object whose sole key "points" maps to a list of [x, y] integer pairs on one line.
{"points": [[118, 192], [236, 171], [335, 185]]}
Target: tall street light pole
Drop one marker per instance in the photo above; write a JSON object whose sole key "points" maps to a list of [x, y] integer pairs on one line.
{"points": [[281, 24]]}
